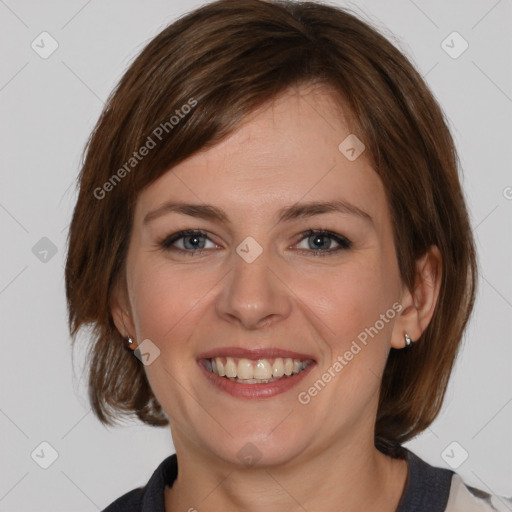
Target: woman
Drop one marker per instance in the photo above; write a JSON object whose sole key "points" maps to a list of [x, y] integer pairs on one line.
{"points": [[270, 219]]}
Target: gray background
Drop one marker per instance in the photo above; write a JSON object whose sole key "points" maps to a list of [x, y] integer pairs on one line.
{"points": [[47, 110]]}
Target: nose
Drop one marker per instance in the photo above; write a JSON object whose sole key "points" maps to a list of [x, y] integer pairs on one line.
{"points": [[254, 294]]}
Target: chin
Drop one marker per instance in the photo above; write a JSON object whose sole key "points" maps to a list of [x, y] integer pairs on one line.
{"points": [[255, 448]]}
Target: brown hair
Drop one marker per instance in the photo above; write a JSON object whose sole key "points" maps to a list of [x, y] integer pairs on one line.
{"points": [[226, 59]]}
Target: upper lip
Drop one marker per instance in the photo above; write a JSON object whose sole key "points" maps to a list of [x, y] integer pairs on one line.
{"points": [[254, 353]]}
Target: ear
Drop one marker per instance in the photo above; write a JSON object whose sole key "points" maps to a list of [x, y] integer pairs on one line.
{"points": [[418, 305], [121, 310]]}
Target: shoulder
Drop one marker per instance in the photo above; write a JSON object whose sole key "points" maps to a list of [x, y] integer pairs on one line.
{"points": [[129, 502], [433, 489], [151, 497], [464, 498]]}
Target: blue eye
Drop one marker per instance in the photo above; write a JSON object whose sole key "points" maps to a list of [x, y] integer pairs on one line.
{"points": [[320, 242], [192, 241]]}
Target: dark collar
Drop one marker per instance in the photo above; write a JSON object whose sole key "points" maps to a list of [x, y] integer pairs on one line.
{"points": [[427, 488]]}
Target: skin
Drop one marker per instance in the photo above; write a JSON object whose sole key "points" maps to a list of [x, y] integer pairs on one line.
{"points": [[318, 456]]}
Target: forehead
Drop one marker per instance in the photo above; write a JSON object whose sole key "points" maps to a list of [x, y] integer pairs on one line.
{"points": [[292, 149]]}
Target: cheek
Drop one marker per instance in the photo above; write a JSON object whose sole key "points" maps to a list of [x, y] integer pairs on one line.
{"points": [[351, 305], [164, 300]]}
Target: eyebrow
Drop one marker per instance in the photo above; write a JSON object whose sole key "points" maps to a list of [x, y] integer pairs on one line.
{"points": [[295, 211]]}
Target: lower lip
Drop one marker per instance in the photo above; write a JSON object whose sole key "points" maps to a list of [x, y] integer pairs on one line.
{"points": [[255, 390]]}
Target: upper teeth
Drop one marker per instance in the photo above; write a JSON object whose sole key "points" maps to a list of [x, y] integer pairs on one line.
{"points": [[260, 369]]}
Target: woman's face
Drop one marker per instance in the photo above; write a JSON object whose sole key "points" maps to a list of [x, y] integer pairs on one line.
{"points": [[253, 286]]}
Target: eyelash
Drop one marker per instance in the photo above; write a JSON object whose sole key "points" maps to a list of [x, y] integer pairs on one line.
{"points": [[344, 243]]}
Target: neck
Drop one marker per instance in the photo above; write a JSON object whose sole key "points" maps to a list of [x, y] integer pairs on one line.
{"points": [[349, 478]]}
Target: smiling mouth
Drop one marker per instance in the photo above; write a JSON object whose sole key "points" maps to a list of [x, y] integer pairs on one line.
{"points": [[255, 371]]}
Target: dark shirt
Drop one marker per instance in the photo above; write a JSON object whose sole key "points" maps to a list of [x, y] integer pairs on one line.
{"points": [[427, 488]]}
